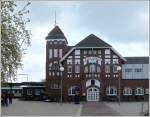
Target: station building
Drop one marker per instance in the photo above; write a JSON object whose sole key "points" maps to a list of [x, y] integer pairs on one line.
{"points": [[93, 69]]}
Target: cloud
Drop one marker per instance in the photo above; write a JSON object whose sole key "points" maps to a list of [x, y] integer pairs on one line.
{"points": [[122, 24]]}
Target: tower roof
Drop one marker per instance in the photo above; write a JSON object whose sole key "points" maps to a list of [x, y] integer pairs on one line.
{"points": [[56, 33], [92, 41]]}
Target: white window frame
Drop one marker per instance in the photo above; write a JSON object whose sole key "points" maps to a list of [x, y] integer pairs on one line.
{"points": [[127, 91], [60, 53], [71, 90], [77, 68], [107, 61], [68, 68], [115, 69], [107, 51], [108, 91], [107, 68], [50, 53], [55, 52], [77, 52], [139, 89]]}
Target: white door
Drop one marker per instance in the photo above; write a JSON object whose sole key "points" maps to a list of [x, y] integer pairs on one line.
{"points": [[93, 94]]}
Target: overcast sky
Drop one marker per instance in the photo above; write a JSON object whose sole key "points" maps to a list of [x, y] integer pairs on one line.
{"points": [[122, 24]]}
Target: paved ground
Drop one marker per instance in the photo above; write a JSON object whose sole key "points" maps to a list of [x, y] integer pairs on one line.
{"points": [[128, 108], [39, 108], [98, 109]]}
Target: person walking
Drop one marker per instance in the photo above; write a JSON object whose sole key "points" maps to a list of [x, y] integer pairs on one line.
{"points": [[10, 97], [6, 99], [2, 99]]}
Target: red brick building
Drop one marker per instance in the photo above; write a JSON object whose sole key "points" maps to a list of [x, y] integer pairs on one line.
{"points": [[90, 68]]}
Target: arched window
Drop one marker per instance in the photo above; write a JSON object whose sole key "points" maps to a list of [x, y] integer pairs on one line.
{"points": [[139, 91], [111, 90], [127, 91], [72, 90]]}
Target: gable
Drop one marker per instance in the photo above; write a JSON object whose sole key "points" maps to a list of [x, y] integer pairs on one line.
{"points": [[92, 41]]}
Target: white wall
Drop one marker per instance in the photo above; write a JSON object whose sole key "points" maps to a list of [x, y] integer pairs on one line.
{"points": [[135, 75]]}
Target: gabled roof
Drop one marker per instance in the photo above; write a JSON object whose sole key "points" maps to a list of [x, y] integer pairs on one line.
{"points": [[137, 60], [69, 48], [92, 41], [56, 33]]}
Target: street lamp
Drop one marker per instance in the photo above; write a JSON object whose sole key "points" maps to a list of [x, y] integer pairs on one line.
{"points": [[119, 70], [61, 70]]}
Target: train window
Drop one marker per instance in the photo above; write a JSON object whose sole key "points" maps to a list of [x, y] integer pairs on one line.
{"points": [[37, 91], [29, 91]]}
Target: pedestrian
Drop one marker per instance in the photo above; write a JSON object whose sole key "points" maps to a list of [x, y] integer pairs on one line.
{"points": [[6, 99], [2, 99], [10, 97]]}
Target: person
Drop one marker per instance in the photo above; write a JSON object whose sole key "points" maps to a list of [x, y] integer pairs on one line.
{"points": [[10, 96], [6, 99], [2, 99]]}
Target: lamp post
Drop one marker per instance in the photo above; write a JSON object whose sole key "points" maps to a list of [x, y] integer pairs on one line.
{"points": [[61, 70], [119, 70]]}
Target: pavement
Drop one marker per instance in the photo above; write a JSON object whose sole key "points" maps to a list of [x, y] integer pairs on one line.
{"points": [[129, 108], [40, 108], [98, 109]]}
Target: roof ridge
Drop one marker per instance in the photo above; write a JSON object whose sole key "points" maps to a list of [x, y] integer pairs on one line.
{"points": [[92, 41]]}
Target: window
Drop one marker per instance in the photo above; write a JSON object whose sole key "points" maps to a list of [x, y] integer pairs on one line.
{"points": [[115, 61], [29, 91], [107, 61], [60, 53], [55, 52], [77, 68], [92, 82], [128, 70], [107, 51], [69, 69], [85, 51], [146, 91], [107, 68], [55, 42], [98, 69], [37, 91], [77, 61], [94, 52], [139, 91], [99, 51], [138, 70], [92, 68], [50, 53], [72, 90], [69, 61], [86, 69], [89, 51], [111, 91], [55, 86], [77, 52], [127, 91], [115, 69]]}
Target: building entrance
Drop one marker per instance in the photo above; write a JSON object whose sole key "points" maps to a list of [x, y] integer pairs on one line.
{"points": [[92, 94]]}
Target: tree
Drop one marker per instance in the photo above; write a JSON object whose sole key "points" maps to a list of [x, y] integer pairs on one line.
{"points": [[14, 37]]}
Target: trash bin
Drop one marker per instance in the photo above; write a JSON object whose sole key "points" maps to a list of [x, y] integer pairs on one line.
{"points": [[77, 99]]}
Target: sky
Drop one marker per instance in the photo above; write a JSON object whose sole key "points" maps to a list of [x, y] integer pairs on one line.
{"points": [[122, 24]]}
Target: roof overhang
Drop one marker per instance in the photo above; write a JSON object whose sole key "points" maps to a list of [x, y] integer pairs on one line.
{"points": [[69, 52]]}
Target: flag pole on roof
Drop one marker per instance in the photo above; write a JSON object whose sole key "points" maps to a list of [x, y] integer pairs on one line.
{"points": [[55, 19]]}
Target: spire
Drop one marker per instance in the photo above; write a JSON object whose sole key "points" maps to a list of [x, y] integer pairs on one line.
{"points": [[55, 19]]}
